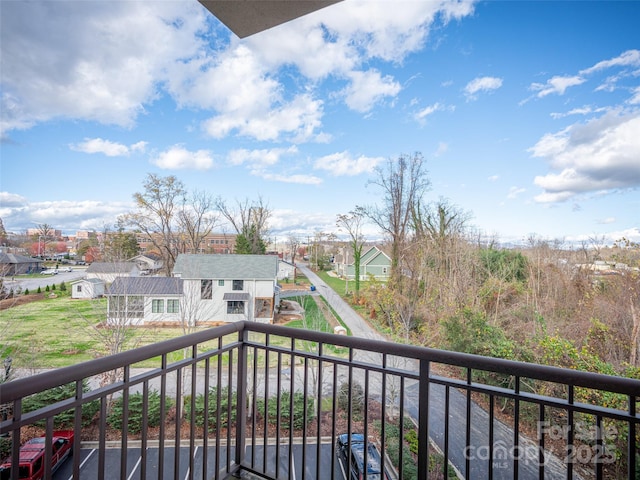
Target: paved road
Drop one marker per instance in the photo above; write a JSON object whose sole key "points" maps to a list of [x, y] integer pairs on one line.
{"points": [[503, 435], [32, 283]]}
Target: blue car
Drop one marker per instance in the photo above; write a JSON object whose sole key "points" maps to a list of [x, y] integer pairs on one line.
{"points": [[355, 449]]}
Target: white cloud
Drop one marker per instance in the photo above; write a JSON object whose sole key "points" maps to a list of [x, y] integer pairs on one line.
{"points": [[296, 178], [107, 147], [368, 88], [259, 158], [428, 110], [635, 98], [343, 164], [443, 147], [89, 214], [481, 85], [515, 191], [178, 158], [98, 61], [629, 58], [8, 199], [494, 178], [599, 155], [298, 119], [557, 85], [106, 62]]}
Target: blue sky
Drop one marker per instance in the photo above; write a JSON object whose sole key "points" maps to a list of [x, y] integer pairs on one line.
{"points": [[527, 113]]}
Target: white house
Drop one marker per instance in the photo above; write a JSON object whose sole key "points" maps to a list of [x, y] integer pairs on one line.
{"points": [[87, 288], [145, 300], [286, 270], [148, 263], [229, 287], [109, 271]]}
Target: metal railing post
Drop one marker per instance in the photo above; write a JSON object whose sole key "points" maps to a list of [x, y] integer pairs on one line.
{"points": [[423, 421], [241, 422]]}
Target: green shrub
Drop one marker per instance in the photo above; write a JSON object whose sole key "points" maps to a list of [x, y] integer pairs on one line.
{"points": [[63, 287], [57, 394], [285, 410], [47, 289], [26, 291], [357, 399], [135, 410], [39, 290], [213, 404], [5, 446]]}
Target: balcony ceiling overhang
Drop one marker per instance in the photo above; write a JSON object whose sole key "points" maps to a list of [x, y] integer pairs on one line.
{"points": [[246, 17]]}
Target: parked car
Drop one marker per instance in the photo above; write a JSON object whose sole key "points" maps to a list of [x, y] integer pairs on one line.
{"points": [[67, 269], [32, 455], [49, 271], [355, 449]]}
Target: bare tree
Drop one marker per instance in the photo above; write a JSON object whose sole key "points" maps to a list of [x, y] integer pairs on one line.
{"points": [[157, 208], [352, 224], [45, 235], [293, 243], [403, 182], [250, 221], [116, 333], [197, 220]]}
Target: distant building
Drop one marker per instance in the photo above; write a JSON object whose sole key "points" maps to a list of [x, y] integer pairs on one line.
{"points": [[13, 264], [109, 271], [212, 243], [35, 232]]}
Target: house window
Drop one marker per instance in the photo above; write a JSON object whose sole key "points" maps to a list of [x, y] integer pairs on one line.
{"points": [[79, 288], [384, 270], [206, 289], [221, 283], [263, 307], [157, 306], [235, 307], [238, 284], [173, 306], [135, 307]]}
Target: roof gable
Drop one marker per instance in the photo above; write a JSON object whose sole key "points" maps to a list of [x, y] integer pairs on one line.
{"points": [[226, 266]]}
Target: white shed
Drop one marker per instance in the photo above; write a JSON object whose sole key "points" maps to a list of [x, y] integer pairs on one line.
{"points": [[87, 288]]}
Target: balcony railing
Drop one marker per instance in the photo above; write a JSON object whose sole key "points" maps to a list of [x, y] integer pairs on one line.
{"points": [[269, 401]]}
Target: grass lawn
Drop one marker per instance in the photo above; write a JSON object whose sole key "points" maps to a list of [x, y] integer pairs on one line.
{"points": [[56, 332], [61, 331]]}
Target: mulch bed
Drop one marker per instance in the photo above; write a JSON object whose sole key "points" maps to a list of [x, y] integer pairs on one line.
{"points": [[21, 300]]}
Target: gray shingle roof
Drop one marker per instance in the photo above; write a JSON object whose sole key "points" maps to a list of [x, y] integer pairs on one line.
{"points": [[145, 286], [6, 258], [226, 267], [111, 267]]}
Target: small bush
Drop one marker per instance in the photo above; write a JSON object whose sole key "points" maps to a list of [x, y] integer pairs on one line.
{"points": [[47, 289], [285, 410], [5, 446], [136, 400], [26, 291], [357, 399], [63, 287], [39, 290], [54, 395], [213, 404]]}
